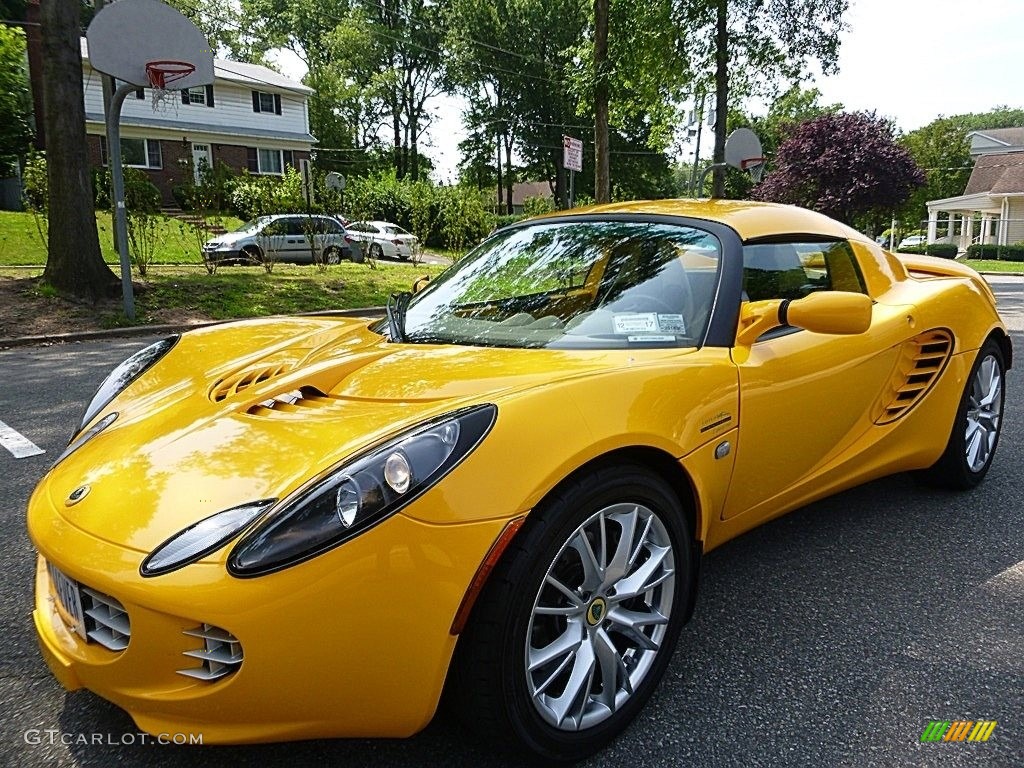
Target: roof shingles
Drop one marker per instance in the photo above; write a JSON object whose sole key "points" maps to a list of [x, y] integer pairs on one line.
{"points": [[997, 174]]}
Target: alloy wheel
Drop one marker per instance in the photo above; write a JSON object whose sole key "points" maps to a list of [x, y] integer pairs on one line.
{"points": [[984, 413], [600, 616]]}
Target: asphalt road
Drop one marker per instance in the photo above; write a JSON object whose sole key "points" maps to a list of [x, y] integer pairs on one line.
{"points": [[827, 638]]}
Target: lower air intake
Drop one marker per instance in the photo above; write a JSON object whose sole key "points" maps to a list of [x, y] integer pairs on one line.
{"points": [[220, 655], [106, 621]]}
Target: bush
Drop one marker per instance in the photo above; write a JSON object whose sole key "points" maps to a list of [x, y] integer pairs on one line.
{"points": [[942, 250], [509, 218], [996, 252]]}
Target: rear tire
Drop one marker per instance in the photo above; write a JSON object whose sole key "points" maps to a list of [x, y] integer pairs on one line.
{"points": [[376, 252], [564, 647], [332, 255], [979, 418]]}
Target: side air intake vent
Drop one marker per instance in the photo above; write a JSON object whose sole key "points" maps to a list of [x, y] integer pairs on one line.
{"points": [[922, 360]]}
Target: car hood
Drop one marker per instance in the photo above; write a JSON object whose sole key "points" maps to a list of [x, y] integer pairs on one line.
{"points": [[250, 411], [230, 237]]}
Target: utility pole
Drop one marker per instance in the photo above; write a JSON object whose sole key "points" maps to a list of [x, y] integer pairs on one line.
{"points": [[602, 171]]}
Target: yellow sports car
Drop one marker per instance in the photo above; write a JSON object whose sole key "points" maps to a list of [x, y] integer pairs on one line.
{"points": [[311, 527]]}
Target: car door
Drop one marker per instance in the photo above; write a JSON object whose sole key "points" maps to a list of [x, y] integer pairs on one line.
{"points": [[296, 243], [806, 399]]}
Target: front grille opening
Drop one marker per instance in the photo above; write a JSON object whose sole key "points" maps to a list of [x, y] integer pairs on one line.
{"points": [[106, 621], [220, 654]]}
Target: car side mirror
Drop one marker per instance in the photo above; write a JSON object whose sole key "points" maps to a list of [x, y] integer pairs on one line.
{"points": [[420, 284], [832, 312]]}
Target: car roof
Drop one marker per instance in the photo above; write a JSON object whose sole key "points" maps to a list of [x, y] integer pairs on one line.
{"points": [[750, 219]]}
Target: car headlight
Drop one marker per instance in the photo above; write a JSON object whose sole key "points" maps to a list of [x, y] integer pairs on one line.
{"points": [[360, 493], [202, 538], [123, 375]]}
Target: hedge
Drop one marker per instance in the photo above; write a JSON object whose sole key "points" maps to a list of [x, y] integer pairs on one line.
{"points": [[996, 252], [940, 250]]}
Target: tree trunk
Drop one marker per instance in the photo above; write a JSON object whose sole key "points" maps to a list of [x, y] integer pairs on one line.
{"points": [[721, 96], [497, 165], [397, 124], [602, 180], [509, 175], [414, 164], [73, 262]]}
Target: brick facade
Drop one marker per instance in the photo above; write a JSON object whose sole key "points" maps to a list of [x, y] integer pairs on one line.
{"points": [[177, 162]]}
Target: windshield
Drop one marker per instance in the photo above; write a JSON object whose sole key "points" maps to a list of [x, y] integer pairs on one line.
{"points": [[254, 224], [577, 284]]}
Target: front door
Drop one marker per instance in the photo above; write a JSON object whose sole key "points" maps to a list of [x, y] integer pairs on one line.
{"points": [[201, 158], [806, 398]]}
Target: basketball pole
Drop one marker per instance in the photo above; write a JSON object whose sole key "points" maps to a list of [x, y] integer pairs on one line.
{"points": [[117, 184]]}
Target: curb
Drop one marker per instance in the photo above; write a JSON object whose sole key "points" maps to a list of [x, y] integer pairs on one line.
{"points": [[148, 330]]}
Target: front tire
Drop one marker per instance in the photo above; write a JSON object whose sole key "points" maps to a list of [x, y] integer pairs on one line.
{"points": [[578, 622], [979, 418]]}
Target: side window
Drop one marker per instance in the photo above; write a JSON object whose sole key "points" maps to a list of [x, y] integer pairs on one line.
{"points": [[293, 226], [794, 270]]}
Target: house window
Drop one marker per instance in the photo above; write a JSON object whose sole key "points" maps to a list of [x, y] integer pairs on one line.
{"points": [[201, 95], [266, 102], [269, 160], [136, 153]]}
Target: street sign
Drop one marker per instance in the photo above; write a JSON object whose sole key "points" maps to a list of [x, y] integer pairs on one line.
{"points": [[572, 153]]}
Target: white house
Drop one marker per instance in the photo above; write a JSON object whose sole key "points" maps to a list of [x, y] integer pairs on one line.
{"points": [[995, 193], [251, 118]]}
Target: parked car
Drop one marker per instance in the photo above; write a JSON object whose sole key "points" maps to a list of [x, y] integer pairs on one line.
{"points": [[308, 527], [914, 241], [384, 239], [284, 238]]}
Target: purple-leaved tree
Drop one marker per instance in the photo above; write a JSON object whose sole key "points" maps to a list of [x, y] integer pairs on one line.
{"points": [[846, 165]]}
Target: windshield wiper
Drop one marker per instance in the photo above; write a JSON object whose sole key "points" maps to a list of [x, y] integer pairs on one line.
{"points": [[397, 304]]}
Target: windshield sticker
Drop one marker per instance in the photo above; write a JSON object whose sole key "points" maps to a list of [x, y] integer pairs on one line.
{"points": [[648, 338], [672, 323], [636, 322]]}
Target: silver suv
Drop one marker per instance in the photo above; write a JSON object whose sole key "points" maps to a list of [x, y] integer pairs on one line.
{"points": [[284, 238]]}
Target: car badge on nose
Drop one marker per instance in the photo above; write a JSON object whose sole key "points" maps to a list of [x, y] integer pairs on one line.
{"points": [[76, 495]]}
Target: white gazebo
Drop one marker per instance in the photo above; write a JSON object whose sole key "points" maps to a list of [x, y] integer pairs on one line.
{"points": [[991, 209]]}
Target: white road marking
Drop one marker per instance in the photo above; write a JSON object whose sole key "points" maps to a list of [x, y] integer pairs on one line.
{"points": [[15, 442]]}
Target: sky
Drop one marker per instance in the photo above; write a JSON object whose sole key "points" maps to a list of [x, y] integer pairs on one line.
{"points": [[910, 60]]}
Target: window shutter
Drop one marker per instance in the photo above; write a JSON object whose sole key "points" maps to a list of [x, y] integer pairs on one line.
{"points": [[289, 159], [277, 104], [209, 95], [103, 150], [252, 159], [255, 101], [184, 97]]}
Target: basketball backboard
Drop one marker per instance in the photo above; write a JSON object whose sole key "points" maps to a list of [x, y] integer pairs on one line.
{"points": [[127, 34], [741, 147]]}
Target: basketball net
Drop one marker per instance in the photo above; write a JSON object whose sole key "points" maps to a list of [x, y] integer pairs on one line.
{"points": [[163, 73], [754, 166]]}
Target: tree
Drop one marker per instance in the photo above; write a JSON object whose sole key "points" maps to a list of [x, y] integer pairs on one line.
{"points": [[73, 264], [942, 149], [848, 166], [785, 114], [15, 100], [750, 44]]}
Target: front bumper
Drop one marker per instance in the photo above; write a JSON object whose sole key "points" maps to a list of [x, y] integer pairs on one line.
{"points": [[354, 643]]}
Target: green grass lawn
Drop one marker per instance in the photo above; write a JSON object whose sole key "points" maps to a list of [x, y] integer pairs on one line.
{"points": [[177, 243], [251, 292], [236, 292], [992, 265]]}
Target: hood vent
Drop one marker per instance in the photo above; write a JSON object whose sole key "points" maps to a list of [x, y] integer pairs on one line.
{"points": [[921, 361], [231, 385], [301, 400]]}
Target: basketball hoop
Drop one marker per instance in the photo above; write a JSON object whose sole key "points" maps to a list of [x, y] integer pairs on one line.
{"points": [[754, 166], [161, 73]]}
